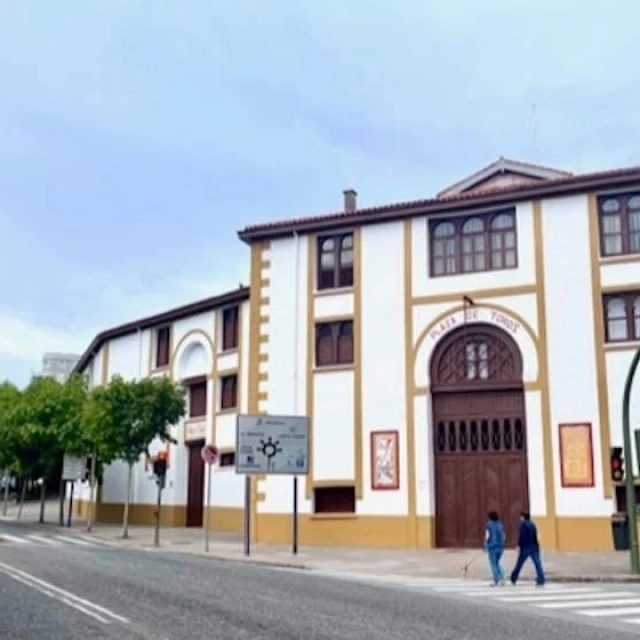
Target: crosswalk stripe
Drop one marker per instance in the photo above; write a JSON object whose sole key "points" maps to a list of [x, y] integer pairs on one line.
{"points": [[632, 620], [577, 604], [82, 543], [97, 541], [617, 611], [564, 595], [14, 539], [533, 592], [48, 541]]}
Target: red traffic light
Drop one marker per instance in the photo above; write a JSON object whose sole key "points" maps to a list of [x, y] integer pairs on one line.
{"points": [[616, 464]]}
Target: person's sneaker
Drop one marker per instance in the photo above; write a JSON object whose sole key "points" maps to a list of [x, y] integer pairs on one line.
{"points": [[539, 584], [513, 582], [502, 582]]}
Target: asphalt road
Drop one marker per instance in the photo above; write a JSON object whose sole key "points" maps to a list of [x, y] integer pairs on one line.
{"points": [[77, 592]]}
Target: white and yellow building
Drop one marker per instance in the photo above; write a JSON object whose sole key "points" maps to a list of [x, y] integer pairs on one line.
{"points": [[454, 355], [204, 346]]}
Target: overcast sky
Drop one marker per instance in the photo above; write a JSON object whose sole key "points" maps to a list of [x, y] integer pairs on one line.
{"points": [[137, 137]]}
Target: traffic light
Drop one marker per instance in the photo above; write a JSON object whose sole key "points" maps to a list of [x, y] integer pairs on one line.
{"points": [[160, 467], [617, 464]]}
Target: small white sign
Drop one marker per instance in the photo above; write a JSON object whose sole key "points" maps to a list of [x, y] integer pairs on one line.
{"points": [[272, 445], [195, 430], [73, 468]]}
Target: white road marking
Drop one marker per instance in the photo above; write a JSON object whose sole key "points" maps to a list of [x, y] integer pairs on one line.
{"points": [[617, 611], [14, 539], [49, 541], [97, 540], [533, 592], [82, 543], [66, 596], [577, 604], [565, 595], [46, 592]]}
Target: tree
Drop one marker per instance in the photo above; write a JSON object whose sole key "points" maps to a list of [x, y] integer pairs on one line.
{"points": [[9, 399], [49, 420], [124, 418]]}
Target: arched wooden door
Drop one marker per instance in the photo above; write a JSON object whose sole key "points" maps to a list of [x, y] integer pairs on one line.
{"points": [[479, 434]]}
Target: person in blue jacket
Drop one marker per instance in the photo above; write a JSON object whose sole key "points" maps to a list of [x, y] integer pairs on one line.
{"points": [[494, 544], [529, 548]]}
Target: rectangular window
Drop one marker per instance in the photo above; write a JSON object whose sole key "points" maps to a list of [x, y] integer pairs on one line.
{"points": [[334, 343], [472, 244], [162, 346], [334, 500], [198, 399], [619, 224], [335, 261], [230, 328], [228, 392], [228, 459], [622, 316]]}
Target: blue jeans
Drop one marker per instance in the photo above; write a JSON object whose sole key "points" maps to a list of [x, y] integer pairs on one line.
{"points": [[494, 563], [523, 556]]}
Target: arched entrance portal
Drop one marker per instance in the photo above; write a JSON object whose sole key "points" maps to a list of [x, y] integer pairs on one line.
{"points": [[479, 434]]}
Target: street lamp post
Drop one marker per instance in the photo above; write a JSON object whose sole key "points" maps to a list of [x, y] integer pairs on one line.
{"points": [[629, 477]]}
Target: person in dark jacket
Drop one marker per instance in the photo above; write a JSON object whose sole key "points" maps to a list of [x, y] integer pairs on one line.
{"points": [[494, 545], [529, 548]]}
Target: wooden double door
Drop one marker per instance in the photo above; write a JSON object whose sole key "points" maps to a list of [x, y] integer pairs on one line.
{"points": [[480, 463], [195, 486]]}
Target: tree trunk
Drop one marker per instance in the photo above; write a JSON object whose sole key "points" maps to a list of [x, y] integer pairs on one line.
{"points": [[43, 493], [125, 518], [63, 487], [5, 504], [92, 494], [22, 492]]}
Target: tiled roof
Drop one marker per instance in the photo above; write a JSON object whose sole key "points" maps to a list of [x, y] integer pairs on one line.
{"points": [[177, 313], [487, 197]]}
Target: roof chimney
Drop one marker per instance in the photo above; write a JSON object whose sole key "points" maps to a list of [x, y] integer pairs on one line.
{"points": [[350, 200]]}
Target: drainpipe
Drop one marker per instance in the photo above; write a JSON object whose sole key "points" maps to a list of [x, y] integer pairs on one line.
{"points": [[296, 351]]}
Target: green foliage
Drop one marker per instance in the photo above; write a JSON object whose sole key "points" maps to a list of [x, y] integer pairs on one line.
{"points": [[124, 418], [48, 420], [9, 400]]}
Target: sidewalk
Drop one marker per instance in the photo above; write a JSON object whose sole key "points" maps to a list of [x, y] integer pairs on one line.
{"points": [[560, 566]]}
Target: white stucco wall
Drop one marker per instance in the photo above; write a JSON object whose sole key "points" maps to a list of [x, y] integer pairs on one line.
{"points": [[383, 358], [571, 342], [281, 329]]}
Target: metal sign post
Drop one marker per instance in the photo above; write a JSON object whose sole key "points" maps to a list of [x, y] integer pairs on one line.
{"points": [[272, 445], [73, 484], [209, 454]]}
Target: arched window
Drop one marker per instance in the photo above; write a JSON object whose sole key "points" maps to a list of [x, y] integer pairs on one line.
{"points": [[634, 224], [335, 261], [443, 249], [617, 325], [620, 224], [473, 245], [503, 241], [346, 261], [636, 317]]}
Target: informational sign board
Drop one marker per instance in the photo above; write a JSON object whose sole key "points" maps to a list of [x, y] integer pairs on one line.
{"points": [[272, 445], [73, 468]]}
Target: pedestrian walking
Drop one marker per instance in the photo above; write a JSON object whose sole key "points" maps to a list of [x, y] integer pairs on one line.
{"points": [[494, 544], [529, 548]]}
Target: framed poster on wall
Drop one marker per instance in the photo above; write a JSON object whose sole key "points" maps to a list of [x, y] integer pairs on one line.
{"points": [[576, 455], [385, 462]]}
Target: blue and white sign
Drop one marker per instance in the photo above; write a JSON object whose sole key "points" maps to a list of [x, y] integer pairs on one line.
{"points": [[272, 445]]}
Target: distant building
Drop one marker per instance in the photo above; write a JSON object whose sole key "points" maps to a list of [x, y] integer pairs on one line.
{"points": [[59, 365]]}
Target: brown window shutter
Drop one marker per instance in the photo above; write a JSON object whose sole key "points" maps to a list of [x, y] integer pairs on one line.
{"points": [[162, 347], [198, 400]]}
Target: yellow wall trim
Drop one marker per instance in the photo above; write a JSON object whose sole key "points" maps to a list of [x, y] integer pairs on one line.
{"points": [[601, 362], [338, 291], [357, 361], [190, 335], [625, 346], [543, 374], [628, 258], [412, 532], [502, 292]]}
